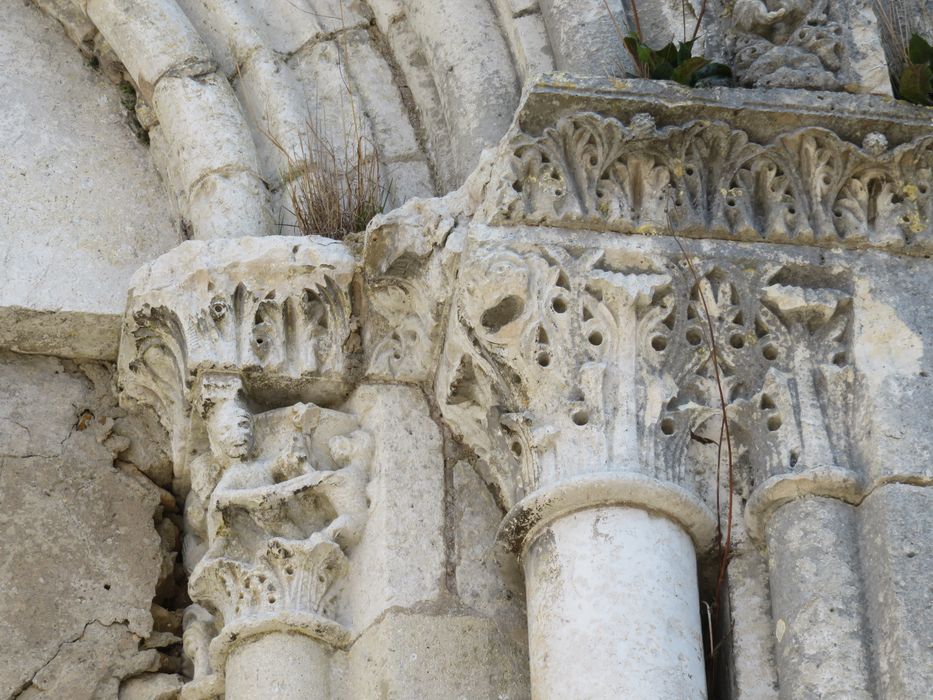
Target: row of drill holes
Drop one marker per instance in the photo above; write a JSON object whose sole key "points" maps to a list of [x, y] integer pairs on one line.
{"points": [[694, 337], [667, 425]]}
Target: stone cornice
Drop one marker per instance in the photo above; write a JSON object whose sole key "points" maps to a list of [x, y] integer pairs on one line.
{"points": [[675, 165]]}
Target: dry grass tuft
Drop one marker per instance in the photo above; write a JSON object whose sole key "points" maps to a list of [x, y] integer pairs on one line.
{"points": [[334, 189]]}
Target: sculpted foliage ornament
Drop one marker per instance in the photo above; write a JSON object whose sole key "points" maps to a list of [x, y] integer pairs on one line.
{"points": [[275, 497], [712, 181]]}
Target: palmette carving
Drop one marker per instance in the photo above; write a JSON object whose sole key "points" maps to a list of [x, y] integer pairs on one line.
{"points": [[708, 180], [559, 363]]}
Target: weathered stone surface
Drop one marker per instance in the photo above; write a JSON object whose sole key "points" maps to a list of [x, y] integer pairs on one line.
{"points": [[82, 204], [818, 607], [400, 559], [895, 523], [487, 581], [446, 654], [81, 556]]}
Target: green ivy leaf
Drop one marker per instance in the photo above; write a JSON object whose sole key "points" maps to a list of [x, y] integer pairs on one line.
{"points": [[684, 51], [631, 45], [916, 84], [662, 71], [684, 73], [646, 56], [668, 54], [919, 51]]}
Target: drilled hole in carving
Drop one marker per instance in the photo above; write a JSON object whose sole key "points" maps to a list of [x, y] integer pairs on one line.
{"points": [[839, 359], [770, 352], [793, 458], [737, 341], [581, 417], [271, 599], [503, 313], [543, 359], [767, 402], [659, 343], [517, 185], [694, 337], [596, 338], [517, 449], [562, 280], [667, 426], [791, 210], [774, 423], [289, 570], [689, 171], [730, 202], [559, 305]]}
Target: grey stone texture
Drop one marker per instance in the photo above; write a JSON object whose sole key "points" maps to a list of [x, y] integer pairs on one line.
{"points": [[81, 555], [83, 206]]}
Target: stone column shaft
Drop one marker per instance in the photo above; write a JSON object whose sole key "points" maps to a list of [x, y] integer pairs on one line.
{"points": [[278, 665], [613, 608], [817, 601]]}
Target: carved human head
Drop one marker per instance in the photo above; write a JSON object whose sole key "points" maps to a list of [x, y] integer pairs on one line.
{"points": [[227, 418]]}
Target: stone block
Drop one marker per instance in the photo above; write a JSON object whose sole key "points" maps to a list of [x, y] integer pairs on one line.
{"points": [[400, 561], [83, 204], [81, 555], [488, 580], [435, 656]]}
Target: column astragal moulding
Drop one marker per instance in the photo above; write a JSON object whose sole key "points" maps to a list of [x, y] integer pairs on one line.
{"points": [[245, 351]]}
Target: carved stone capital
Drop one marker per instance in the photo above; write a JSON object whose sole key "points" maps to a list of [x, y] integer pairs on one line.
{"points": [[237, 345], [807, 44]]}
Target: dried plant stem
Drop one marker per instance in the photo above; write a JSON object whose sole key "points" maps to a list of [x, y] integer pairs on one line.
{"points": [[724, 542], [696, 27]]}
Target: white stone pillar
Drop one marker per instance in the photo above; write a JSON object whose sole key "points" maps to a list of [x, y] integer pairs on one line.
{"points": [[280, 665], [806, 523], [611, 579], [613, 610]]}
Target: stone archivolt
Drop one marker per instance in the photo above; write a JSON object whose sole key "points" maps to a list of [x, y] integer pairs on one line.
{"points": [[709, 180]]}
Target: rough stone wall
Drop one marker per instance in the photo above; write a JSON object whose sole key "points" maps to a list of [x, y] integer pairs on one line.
{"points": [[88, 540]]}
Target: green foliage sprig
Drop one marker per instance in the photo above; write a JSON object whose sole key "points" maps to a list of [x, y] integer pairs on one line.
{"points": [[915, 83], [676, 62]]}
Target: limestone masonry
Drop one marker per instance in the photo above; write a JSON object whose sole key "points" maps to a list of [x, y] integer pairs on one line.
{"points": [[625, 394]]}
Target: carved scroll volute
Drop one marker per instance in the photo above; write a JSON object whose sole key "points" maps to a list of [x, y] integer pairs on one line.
{"points": [[539, 364]]}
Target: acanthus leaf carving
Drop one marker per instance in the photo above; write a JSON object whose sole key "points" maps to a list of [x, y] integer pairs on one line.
{"points": [[709, 180]]}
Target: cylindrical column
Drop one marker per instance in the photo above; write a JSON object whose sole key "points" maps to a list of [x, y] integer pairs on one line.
{"points": [[613, 607], [816, 600], [280, 665]]}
